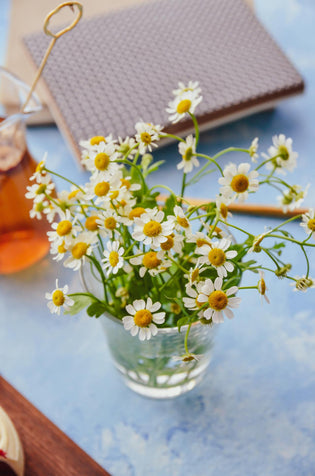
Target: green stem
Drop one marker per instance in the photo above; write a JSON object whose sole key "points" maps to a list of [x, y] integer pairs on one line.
{"points": [[64, 178], [193, 117], [186, 338]]}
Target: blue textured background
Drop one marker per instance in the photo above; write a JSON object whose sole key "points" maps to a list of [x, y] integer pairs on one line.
{"points": [[254, 414]]}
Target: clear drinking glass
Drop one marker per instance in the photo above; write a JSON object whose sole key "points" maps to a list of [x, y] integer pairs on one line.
{"points": [[23, 241], [154, 368]]}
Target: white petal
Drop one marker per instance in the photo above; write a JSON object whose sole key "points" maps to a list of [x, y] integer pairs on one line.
{"points": [[228, 313], [191, 292], [231, 254], [218, 283], [231, 290], [202, 298], [149, 304], [228, 266], [243, 168], [155, 307], [128, 322], [234, 302], [130, 309], [159, 317], [139, 304], [218, 317], [153, 329], [134, 331], [142, 334]]}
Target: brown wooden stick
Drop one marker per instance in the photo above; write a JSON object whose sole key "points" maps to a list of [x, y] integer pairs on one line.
{"points": [[247, 208]]}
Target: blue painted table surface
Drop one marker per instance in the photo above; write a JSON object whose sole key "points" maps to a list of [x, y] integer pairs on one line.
{"points": [[254, 413]]}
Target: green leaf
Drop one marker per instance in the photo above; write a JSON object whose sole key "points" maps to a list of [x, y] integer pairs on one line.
{"points": [[80, 302], [96, 309]]}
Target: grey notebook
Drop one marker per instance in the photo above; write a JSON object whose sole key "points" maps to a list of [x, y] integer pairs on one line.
{"points": [[116, 69]]}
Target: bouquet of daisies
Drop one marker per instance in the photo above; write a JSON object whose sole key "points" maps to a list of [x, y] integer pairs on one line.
{"points": [[161, 261]]}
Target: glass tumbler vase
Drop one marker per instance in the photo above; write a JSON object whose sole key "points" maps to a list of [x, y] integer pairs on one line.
{"points": [[23, 241]]}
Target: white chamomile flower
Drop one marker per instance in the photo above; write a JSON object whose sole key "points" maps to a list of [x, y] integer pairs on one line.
{"points": [[79, 249], [108, 222], [113, 260], [101, 160], [303, 283], [222, 203], [217, 256], [58, 299], [187, 150], [38, 191], [261, 285], [194, 273], [293, 198], [64, 230], [182, 104], [284, 156], [146, 136], [130, 213], [58, 250], [39, 171], [180, 220], [199, 238], [95, 143], [253, 150], [151, 229], [192, 303], [129, 185], [193, 86], [238, 181], [173, 244], [219, 301], [126, 146], [38, 208], [152, 261], [143, 318], [100, 189], [308, 222]]}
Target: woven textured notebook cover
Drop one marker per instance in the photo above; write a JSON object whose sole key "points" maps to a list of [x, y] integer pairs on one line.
{"points": [[114, 70]]}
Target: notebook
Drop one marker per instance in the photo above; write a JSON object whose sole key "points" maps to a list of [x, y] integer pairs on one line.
{"points": [[116, 69]]}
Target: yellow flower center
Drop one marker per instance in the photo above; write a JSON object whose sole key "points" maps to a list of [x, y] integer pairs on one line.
{"points": [[311, 224], [101, 161], [188, 154], [73, 194], [110, 223], [40, 166], [114, 194], [216, 257], [79, 250], [64, 228], [182, 221], [97, 140], [122, 203], [168, 245], [136, 212], [145, 138], [125, 183], [218, 300], [113, 258], [58, 298], [183, 106], [143, 318], [39, 207], [201, 241], [224, 210], [101, 189], [61, 248], [90, 223], [262, 286], [150, 260], [41, 189], [283, 152], [152, 228], [195, 275], [175, 308], [240, 183]]}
